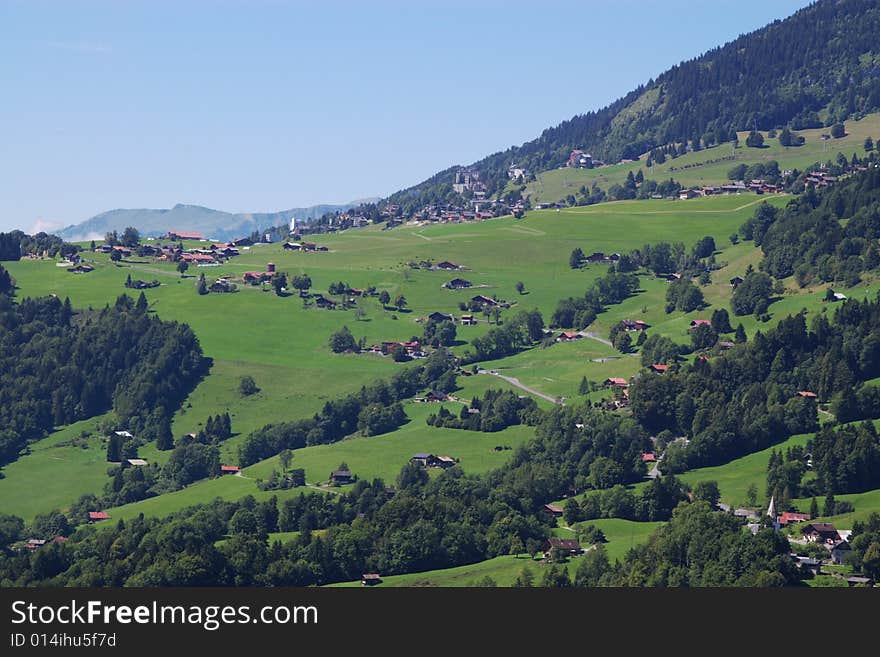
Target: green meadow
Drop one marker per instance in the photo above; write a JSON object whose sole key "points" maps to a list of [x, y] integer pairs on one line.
{"points": [[622, 535], [283, 344], [710, 166]]}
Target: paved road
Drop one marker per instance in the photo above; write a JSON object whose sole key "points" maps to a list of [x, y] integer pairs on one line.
{"points": [[595, 336], [516, 382]]}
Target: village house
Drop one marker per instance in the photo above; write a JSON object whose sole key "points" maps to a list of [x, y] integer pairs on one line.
{"points": [[323, 302], [736, 281], [568, 336], [457, 284], [35, 543], [788, 517], [571, 546], [821, 532], [634, 325], [807, 563], [686, 194], [97, 516], [229, 469], [221, 285], [370, 579], [136, 462], [807, 394], [615, 382], [840, 552], [659, 368], [468, 320], [578, 159], [553, 510], [424, 460], [445, 461], [340, 477], [180, 235], [648, 457], [447, 266], [483, 300], [700, 322], [440, 317], [81, 269], [857, 580]]}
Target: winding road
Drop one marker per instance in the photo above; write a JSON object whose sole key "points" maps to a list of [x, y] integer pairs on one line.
{"points": [[516, 382]]}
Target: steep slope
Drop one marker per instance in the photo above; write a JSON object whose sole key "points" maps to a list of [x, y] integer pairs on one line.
{"points": [[819, 66], [193, 218]]}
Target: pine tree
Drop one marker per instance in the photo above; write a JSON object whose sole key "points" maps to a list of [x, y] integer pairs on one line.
{"points": [[584, 387], [814, 508], [141, 305], [203, 287], [128, 281], [114, 449], [740, 336]]}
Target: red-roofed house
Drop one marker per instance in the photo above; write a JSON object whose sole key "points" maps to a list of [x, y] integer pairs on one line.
{"points": [[184, 236], [229, 469], [700, 322], [788, 517], [658, 367], [806, 393], [648, 457], [197, 257], [616, 382], [95, 516]]}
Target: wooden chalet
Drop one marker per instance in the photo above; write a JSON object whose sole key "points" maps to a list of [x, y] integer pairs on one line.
{"points": [[553, 510], [340, 477], [569, 545], [370, 579]]}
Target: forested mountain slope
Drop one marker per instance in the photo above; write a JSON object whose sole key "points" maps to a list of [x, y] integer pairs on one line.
{"points": [[817, 67]]}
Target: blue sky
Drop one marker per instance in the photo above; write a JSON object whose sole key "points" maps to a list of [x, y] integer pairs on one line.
{"points": [[267, 105]]}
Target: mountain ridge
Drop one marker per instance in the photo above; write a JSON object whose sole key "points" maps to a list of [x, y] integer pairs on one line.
{"points": [[818, 66], [218, 224]]}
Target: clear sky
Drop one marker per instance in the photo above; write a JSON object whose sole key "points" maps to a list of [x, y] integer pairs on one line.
{"points": [[267, 105]]}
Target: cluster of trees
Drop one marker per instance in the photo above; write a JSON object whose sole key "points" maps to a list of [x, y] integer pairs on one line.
{"points": [[496, 410], [16, 243], [130, 238], [683, 295], [865, 542], [580, 312], [439, 334], [766, 171], [217, 429], [753, 294], [518, 332], [660, 349], [746, 400], [342, 340], [340, 418], [806, 238], [846, 459], [7, 283], [702, 547], [655, 501], [56, 369], [426, 523]]}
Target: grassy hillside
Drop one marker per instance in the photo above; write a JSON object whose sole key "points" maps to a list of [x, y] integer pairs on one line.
{"points": [[621, 534], [284, 345], [710, 166]]}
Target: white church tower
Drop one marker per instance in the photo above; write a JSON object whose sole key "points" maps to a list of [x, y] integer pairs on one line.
{"points": [[771, 511], [292, 225]]}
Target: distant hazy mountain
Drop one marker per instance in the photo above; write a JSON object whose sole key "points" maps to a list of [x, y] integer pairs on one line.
{"points": [[194, 219]]}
